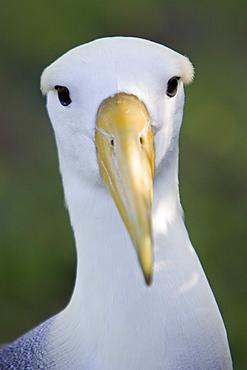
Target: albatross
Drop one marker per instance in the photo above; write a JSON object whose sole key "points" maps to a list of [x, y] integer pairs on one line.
{"points": [[141, 298]]}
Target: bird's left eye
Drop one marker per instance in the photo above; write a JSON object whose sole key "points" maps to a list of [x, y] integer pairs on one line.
{"points": [[63, 95], [172, 87]]}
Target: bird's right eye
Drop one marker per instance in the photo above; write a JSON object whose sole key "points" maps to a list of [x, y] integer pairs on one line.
{"points": [[63, 95]]}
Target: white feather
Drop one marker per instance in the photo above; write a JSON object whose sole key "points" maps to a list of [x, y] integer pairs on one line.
{"points": [[114, 321]]}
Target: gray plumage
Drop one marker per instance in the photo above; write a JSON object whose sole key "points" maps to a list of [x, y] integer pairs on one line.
{"points": [[30, 351]]}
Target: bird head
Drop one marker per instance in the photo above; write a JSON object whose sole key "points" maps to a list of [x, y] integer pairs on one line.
{"points": [[116, 108]]}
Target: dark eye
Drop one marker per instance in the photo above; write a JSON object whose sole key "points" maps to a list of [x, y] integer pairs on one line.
{"points": [[172, 86], [63, 95]]}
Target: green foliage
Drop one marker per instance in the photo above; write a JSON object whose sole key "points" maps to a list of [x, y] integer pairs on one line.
{"points": [[37, 257]]}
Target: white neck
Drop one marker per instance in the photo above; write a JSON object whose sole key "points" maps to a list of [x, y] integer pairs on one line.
{"points": [[112, 312], [106, 256]]}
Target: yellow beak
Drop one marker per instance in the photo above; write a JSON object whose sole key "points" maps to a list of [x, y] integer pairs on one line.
{"points": [[125, 150]]}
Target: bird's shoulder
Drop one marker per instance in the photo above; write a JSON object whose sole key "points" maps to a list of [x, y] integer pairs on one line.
{"points": [[29, 351]]}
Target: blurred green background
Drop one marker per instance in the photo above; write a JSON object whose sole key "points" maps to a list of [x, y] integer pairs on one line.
{"points": [[37, 256]]}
